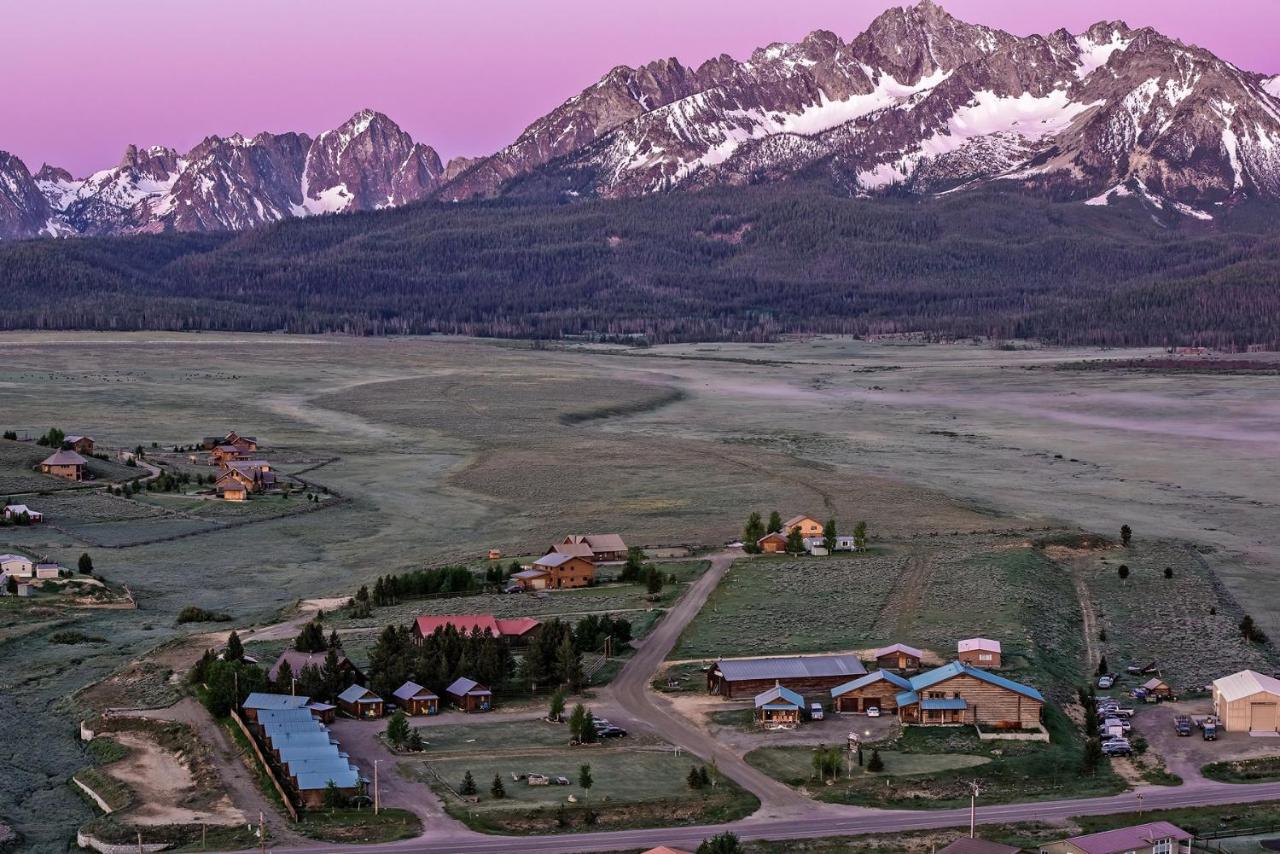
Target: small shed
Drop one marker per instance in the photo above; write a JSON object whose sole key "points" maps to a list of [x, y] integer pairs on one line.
{"points": [[772, 544], [416, 700], [15, 512], [469, 695], [778, 706], [979, 652], [359, 702], [326, 713], [899, 657], [1157, 687]]}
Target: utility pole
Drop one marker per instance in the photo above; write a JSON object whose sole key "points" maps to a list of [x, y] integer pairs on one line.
{"points": [[974, 791], [293, 686], [376, 803], [262, 833], [140, 851]]}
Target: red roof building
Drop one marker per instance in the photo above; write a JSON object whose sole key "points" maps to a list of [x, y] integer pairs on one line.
{"points": [[516, 629]]}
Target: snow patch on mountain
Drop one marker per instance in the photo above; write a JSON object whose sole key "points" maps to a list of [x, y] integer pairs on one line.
{"points": [[1095, 54], [1272, 86]]}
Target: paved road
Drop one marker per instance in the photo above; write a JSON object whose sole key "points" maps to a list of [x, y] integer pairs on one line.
{"points": [[641, 708]]}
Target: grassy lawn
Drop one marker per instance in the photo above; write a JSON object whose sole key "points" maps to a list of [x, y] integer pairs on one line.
{"points": [[777, 605], [1262, 770], [632, 788], [933, 778], [497, 736], [359, 825], [793, 765]]}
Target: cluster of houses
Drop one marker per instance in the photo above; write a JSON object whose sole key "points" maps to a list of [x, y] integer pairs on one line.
{"points": [[962, 691], [27, 573], [292, 732], [775, 542], [570, 563], [239, 473]]}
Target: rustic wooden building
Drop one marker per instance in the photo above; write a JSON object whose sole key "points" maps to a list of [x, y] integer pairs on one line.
{"points": [[66, 464], [518, 630], [877, 689], [248, 444], [556, 572], [812, 674], [778, 706], [80, 444], [359, 702], [959, 694], [899, 657], [979, 652], [772, 544], [416, 700], [469, 695], [1157, 687], [262, 701], [601, 547], [809, 527]]}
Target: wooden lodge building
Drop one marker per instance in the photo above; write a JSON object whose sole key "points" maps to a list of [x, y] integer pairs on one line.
{"points": [[778, 707], [598, 547], [66, 464], [809, 527], [812, 674], [556, 571], [80, 444], [955, 693], [517, 630]]}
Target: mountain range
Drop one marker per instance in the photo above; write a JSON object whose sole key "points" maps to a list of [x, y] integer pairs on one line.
{"points": [[919, 103]]}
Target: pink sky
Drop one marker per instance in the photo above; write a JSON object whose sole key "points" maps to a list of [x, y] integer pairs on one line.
{"points": [[83, 78]]}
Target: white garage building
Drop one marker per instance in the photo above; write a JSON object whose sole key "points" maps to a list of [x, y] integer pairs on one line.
{"points": [[1247, 701]]}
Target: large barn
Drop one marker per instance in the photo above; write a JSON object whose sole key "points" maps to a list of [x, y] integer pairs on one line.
{"points": [[810, 674], [1247, 702]]}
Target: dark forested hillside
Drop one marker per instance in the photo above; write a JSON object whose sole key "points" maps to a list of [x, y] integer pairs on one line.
{"points": [[746, 263]]}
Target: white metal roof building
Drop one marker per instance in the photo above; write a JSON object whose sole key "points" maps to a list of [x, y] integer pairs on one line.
{"points": [[1247, 701]]}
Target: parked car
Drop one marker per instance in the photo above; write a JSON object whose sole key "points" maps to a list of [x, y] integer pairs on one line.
{"points": [[873, 711], [511, 588], [1209, 728], [1182, 724], [815, 711], [1117, 747], [612, 732], [538, 780], [1106, 680]]}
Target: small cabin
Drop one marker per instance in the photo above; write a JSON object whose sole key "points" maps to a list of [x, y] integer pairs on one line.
{"points": [[979, 652], [416, 700], [359, 702], [899, 657], [772, 544], [778, 706], [469, 695]]}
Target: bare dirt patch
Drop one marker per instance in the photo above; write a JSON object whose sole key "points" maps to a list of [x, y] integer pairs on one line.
{"points": [[165, 790]]}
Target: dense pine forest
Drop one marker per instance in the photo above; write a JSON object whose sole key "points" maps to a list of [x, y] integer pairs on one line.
{"points": [[750, 263]]}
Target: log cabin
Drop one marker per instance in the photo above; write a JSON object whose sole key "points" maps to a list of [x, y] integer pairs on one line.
{"points": [[778, 706], [959, 694], [812, 674], [899, 657], [877, 689], [416, 700]]}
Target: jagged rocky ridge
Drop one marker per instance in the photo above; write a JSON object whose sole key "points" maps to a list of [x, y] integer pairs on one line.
{"points": [[920, 102]]}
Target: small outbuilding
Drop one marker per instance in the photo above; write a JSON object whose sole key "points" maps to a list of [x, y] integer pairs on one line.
{"points": [[778, 706], [80, 444], [772, 544], [979, 652], [469, 695], [359, 702], [877, 690], [15, 512], [1247, 701], [416, 700], [1158, 688], [899, 657]]}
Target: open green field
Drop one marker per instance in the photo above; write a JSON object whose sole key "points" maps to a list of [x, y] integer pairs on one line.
{"points": [[932, 767]]}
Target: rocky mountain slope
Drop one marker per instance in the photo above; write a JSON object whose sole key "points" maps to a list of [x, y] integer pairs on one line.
{"points": [[920, 102], [224, 183]]}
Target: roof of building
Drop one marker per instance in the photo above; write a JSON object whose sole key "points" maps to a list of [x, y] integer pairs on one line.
{"points": [[772, 535], [663, 849], [1155, 682], [791, 667], [19, 509], [348, 779], [261, 700], [605, 543], [275, 728], [977, 845], [897, 647], [932, 677], [976, 644], [556, 559], [463, 685], [298, 661], [74, 439], [7, 558], [580, 549], [301, 713], [413, 691], [1246, 683], [309, 738], [796, 520], [359, 694], [64, 458], [779, 697], [299, 752], [229, 449], [321, 707], [1128, 838], [941, 704], [870, 679], [529, 573], [467, 623]]}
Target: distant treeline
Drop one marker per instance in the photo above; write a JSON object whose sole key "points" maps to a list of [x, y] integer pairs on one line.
{"points": [[732, 264]]}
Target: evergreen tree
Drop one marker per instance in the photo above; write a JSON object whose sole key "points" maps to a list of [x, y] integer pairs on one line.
{"points": [[310, 638], [721, 843], [775, 523], [569, 664], [398, 729], [634, 566], [1126, 534], [1123, 571], [752, 533], [1092, 755], [416, 743], [468, 785], [694, 779], [235, 649], [86, 564], [795, 541], [860, 536], [498, 790], [653, 581], [875, 764], [829, 535], [585, 780], [557, 706], [284, 678]]}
